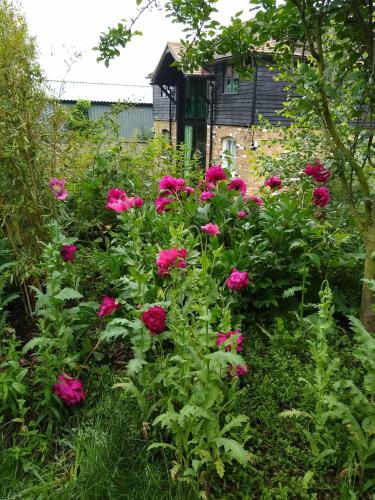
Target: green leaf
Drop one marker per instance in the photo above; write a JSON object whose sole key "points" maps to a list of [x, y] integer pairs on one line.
{"points": [[162, 445], [135, 365], [235, 422], [307, 478], [368, 424], [234, 449], [128, 387], [113, 332], [68, 294], [37, 341], [19, 387], [224, 357], [294, 413], [289, 292]]}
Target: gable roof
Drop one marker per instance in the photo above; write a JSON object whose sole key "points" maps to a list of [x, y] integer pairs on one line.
{"points": [[174, 50]]}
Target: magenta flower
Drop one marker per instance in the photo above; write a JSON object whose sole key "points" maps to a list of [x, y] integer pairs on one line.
{"points": [[57, 186], [118, 201], [206, 195], [137, 201], [188, 189], [120, 204], [215, 174], [154, 319], [115, 194], [161, 203], [273, 182], [223, 337], [237, 280], [171, 258], [171, 184], [108, 306], [70, 390], [206, 186], [317, 171], [242, 214], [237, 184], [258, 201], [212, 229], [321, 196], [240, 371], [67, 252]]}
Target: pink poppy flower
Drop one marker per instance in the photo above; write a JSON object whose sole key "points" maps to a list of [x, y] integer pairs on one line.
{"points": [[67, 252], [108, 306], [171, 184], [242, 214], [212, 229], [57, 187], [120, 204], [161, 203], [154, 319], [237, 184], [206, 195], [70, 390], [137, 201], [321, 196], [206, 186], [171, 258], [273, 182], [223, 337], [215, 174], [237, 280], [115, 194], [258, 201], [317, 171], [188, 189]]}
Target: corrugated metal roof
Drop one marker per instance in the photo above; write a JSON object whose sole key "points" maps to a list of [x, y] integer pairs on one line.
{"points": [[99, 92]]}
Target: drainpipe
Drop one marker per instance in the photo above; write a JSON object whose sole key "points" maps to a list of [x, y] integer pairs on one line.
{"points": [[212, 89], [170, 121], [253, 105]]}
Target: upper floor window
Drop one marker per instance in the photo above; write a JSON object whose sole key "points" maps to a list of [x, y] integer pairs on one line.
{"points": [[231, 80], [229, 154], [164, 95], [196, 98]]}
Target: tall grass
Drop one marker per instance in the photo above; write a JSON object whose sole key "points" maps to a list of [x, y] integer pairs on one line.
{"points": [[106, 458]]}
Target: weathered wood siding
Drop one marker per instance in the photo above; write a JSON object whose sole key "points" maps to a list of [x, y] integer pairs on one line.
{"points": [[161, 105], [235, 109]]}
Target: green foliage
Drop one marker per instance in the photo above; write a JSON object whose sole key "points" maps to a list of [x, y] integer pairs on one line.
{"points": [[78, 118], [317, 389], [24, 174], [357, 413]]}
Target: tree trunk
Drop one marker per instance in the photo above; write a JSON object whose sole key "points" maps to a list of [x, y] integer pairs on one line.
{"points": [[368, 297]]}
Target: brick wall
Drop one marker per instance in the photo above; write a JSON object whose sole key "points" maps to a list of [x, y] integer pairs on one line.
{"points": [[160, 125], [269, 143]]}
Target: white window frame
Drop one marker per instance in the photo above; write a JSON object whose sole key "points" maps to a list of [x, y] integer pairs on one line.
{"points": [[229, 149]]}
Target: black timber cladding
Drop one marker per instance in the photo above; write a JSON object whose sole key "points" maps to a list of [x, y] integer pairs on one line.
{"points": [[161, 104], [235, 109]]}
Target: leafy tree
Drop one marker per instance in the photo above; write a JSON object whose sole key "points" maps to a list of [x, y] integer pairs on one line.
{"points": [[24, 156], [326, 49]]}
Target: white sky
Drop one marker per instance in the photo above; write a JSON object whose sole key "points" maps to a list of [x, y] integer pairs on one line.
{"points": [[65, 27]]}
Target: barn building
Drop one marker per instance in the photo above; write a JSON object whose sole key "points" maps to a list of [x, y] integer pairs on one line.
{"points": [[217, 114]]}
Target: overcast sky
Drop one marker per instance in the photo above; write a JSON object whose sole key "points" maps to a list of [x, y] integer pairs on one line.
{"points": [[63, 28]]}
